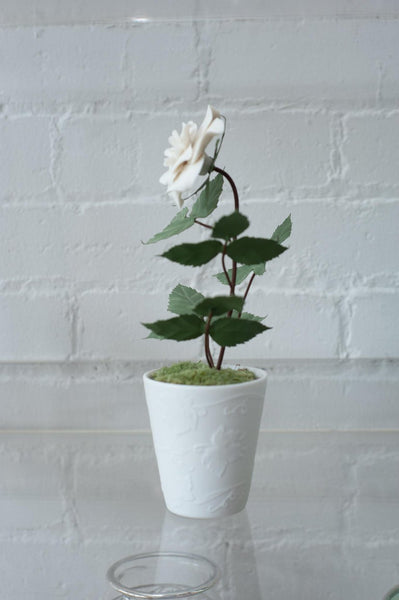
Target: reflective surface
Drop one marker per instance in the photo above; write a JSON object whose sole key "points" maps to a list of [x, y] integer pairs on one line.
{"points": [[163, 575], [322, 520], [50, 12]]}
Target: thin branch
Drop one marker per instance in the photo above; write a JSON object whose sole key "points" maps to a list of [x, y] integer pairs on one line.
{"points": [[233, 186], [247, 290], [225, 269], [203, 224], [207, 348], [232, 281], [220, 359]]}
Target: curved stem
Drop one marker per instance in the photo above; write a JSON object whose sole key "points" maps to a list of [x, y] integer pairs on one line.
{"points": [[233, 186], [232, 281]]}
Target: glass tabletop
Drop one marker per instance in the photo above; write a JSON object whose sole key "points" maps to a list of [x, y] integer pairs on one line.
{"points": [[322, 520], [54, 12]]}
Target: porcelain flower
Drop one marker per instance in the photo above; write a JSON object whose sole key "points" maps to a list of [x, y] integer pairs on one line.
{"points": [[186, 158], [222, 318]]}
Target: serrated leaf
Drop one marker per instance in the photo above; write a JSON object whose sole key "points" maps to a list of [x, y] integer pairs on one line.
{"points": [[230, 332], [242, 273], [252, 250], [183, 299], [250, 317], [230, 226], [185, 327], [208, 199], [194, 254], [245, 315], [283, 231], [259, 269], [219, 305], [154, 336], [179, 223]]}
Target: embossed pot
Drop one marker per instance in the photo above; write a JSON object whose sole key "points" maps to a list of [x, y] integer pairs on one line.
{"points": [[205, 440]]}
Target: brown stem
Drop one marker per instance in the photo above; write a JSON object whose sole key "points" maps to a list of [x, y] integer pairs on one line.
{"points": [[232, 281], [220, 359], [203, 224], [233, 186], [225, 269], [207, 348], [247, 290]]}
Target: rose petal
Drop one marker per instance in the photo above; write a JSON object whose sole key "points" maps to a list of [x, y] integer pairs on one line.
{"points": [[165, 178], [215, 128], [211, 114], [185, 180], [184, 157], [177, 199]]}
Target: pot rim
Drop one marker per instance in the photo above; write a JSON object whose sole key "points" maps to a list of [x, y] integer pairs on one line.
{"points": [[261, 375]]}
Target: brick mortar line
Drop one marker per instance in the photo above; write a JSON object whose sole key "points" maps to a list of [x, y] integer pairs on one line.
{"points": [[50, 288], [79, 208], [71, 111], [328, 192]]}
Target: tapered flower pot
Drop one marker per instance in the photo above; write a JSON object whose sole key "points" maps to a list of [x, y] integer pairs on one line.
{"points": [[205, 440]]}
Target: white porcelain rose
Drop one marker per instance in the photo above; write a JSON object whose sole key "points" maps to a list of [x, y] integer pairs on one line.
{"points": [[186, 158]]}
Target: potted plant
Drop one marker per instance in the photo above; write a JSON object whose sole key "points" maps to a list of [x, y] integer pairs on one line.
{"points": [[204, 418]]}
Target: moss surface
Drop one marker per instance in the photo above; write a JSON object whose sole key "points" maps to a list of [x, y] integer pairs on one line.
{"points": [[190, 373]]}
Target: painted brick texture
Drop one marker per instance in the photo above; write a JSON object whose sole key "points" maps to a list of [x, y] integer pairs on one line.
{"points": [[313, 123]]}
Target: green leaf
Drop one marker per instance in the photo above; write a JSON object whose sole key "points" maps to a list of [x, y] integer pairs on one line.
{"points": [[259, 269], [194, 254], [219, 305], [185, 327], [244, 315], [208, 199], [252, 250], [178, 224], [283, 231], [183, 299], [250, 317], [242, 272], [154, 336], [230, 332], [230, 226]]}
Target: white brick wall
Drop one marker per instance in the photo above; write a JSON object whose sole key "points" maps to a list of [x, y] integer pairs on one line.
{"points": [[34, 327], [85, 112], [310, 60], [24, 156], [371, 148]]}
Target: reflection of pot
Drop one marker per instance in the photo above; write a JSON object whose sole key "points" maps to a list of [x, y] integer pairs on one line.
{"points": [[226, 542], [205, 440]]}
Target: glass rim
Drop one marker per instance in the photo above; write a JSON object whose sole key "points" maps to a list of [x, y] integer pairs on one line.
{"points": [[187, 591]]}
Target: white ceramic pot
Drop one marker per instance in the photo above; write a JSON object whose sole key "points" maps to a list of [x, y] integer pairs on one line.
{"points": [[205, 440]]}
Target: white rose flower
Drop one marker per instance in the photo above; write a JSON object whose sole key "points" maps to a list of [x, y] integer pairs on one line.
{"points": [[186, 158]]}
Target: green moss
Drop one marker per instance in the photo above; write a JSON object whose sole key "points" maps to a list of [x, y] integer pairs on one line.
{"points": [[190, 373]]}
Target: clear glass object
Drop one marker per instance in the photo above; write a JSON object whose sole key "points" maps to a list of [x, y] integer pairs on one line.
{"points": [[162, 575]]}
